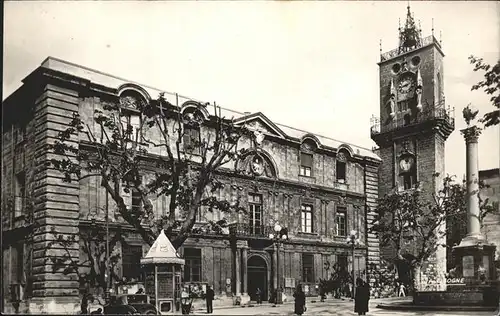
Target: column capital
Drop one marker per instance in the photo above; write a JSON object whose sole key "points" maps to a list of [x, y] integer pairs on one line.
{"points": [[471, 134]]}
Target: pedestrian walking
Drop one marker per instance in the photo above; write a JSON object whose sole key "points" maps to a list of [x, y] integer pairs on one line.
{"points": [[300, 301], [210, 297], [258, 295], [322, 294], [402, 289], [362, 297]]}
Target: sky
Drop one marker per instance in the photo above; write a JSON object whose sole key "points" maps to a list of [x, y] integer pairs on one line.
{"points": [[310, 65]]}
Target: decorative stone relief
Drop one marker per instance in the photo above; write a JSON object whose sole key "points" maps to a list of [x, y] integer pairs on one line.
{"points": [[341, 157], [129, 102], [257, 165]]}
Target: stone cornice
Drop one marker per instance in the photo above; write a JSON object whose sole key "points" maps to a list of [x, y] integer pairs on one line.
{"points": [[85, 87]]}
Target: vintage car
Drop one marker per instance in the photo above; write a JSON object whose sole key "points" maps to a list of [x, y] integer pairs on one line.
{"points": [[129, 304]]}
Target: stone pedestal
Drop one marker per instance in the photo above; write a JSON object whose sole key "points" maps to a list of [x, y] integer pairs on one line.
{"points": [[471, 259]]}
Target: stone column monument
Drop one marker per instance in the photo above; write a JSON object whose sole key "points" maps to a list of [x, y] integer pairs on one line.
{"points": [[474, 255]]}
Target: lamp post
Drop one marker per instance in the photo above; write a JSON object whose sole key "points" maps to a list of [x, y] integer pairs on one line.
{"points": [[280, 235], [353, 241]]}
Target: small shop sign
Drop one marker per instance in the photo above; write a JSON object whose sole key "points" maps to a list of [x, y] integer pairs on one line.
{"points": [[455, 281]]}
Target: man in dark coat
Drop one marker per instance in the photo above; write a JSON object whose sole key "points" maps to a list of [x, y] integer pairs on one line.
{"points": [[362, 297], [210, 297], [258, 295], [300, 300]]}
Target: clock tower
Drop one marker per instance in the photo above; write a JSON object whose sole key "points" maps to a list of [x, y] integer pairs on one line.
{"points": [[414, 120]]}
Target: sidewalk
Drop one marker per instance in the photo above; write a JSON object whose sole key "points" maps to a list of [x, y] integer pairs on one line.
{"points": [[309, 301]]}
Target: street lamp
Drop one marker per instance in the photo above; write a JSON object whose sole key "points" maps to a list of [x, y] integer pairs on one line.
{"points": [[280, 235], [352, 240]]}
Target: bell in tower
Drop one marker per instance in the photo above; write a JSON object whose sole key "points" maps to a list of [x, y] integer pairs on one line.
{"points": [[409, 36]]}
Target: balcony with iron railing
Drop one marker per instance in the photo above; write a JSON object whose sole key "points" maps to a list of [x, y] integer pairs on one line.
{"points": [[251, 231], [397, 51], [406, 119]]}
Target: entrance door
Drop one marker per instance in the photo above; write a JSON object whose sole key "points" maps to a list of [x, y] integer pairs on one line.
{"points": [[257, 277]]}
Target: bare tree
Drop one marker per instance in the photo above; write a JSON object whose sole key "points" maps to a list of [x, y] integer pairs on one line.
{"points": [[117, 153]]}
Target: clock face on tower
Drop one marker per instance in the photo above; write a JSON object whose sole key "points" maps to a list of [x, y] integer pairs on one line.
{"points": [[406, 163], [406, 84]]}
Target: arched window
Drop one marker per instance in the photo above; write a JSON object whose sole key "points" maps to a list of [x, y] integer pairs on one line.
{"points": [[131, 104], [307, 149], [191, 136], [341, 166]]}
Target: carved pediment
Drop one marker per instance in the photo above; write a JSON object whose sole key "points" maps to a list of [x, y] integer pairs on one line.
{"points": [[259, 122], [260, 126]]}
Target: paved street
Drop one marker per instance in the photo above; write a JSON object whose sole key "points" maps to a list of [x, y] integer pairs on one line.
{"points": [[339, 308]]}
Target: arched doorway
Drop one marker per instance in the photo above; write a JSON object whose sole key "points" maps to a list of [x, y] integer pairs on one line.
{"points": [[257, 277]]}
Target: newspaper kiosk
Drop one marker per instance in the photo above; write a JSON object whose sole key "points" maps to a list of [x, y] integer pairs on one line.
{"points": [[163, 268]]}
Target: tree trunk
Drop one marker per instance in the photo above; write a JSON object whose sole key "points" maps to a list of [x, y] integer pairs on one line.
{"points": [[417, 281]]}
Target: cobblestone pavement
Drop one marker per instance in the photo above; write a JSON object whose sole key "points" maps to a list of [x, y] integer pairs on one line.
{"points": [[335, 308]]}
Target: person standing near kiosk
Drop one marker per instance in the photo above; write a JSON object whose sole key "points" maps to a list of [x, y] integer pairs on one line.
{"points": [[210, 297]]}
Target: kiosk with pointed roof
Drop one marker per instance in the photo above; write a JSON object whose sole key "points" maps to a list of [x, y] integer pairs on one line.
{"points": [[163, 268]]}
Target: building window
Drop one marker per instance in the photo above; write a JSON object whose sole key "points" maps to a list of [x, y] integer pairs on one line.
{"points": [[20, 194], [255, 215], [306, 164], [341, 168], [20, 134], [341, 222], [342, 262], [191, 139], [306, 218], [403, 106], [136, 200], [307, 268], [131, 124], [131, 262], [406, 119], [20, 263], [192, 268]]}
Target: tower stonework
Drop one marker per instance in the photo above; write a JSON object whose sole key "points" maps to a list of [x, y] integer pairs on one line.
{"points": [[414, 120]]}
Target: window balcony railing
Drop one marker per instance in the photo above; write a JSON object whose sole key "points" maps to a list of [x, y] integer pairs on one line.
{"points": [[248, 230], [396, 52], [400, 121]]}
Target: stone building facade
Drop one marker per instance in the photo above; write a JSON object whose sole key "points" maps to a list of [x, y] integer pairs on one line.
{"points": [[414, 121], [491, 223], [317, 187]]}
